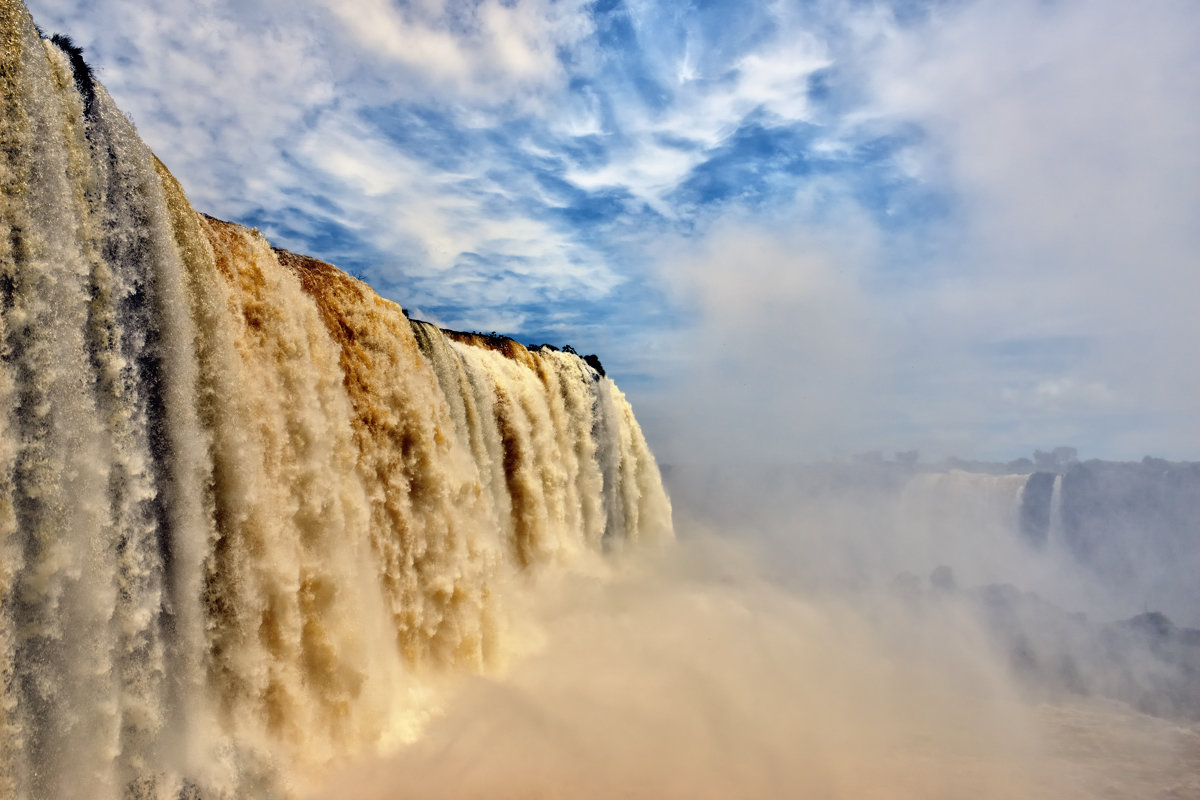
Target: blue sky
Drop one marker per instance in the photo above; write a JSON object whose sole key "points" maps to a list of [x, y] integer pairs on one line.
{"points": [[790, 230]]}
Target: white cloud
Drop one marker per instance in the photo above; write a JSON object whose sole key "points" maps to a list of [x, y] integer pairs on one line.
{"points": [[488, 52], [1068, 130], [1062, 135], [1063, 392], [778, 355], [398, 203], [263, 115], [772, 80]]}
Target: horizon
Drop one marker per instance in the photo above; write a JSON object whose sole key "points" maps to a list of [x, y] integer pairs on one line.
{"points": [[955, 227]]}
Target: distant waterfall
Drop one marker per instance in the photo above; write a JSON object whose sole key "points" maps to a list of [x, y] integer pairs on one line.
{"points": [[1054, 528], [959, 505], [243, 500]]}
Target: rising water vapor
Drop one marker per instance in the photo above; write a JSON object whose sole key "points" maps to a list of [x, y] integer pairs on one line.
{"points": [[247, 506], [697, 677]]}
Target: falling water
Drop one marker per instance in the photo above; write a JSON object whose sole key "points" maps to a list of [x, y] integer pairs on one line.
{"points": [[1054, 525], [245, 502], [949, 518]]}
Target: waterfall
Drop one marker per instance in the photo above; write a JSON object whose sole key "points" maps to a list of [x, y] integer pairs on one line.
{"points": [[1054, 526], [245, 502], [969, 522]]}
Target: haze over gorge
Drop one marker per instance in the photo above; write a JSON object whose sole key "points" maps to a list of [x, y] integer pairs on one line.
{"points": [[263, 535]]}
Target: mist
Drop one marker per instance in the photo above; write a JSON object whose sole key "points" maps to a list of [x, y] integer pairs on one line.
{"points": [[730, 665], [690, 677], [868, 629]]}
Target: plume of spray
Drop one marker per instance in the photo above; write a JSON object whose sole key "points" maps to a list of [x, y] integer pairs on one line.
{"points": [[699, 674]]}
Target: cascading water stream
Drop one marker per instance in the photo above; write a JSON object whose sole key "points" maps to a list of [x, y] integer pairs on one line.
{"points": [[245, 503], [1054, 526]]}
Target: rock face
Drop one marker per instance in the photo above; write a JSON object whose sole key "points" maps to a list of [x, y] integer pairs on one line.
{"points": [[1126, 519], [1145, 661], [244, 501], [1037, 504]]}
